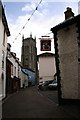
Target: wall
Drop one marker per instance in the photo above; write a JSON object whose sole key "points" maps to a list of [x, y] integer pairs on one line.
{"points": [[79, 79], [1, 38], [3, 51], [68, 57], [24, 79], [47, 68], [15, 65], [79, 60], [2, 48]]}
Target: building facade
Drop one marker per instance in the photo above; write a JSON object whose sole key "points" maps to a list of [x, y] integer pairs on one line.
{"points": [[4, 34], [13, 75], [67, 50], [47, 67], [29, 53]]}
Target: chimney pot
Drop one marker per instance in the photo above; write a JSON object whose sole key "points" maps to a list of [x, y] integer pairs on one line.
{"points": [[68, 8], [68, 13], [31, 35], [22, 37]]}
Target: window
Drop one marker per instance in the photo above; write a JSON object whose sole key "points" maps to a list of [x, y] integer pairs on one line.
{"points": [[2, 64], [2, 59], [27, 57], [32, 49], [2, 76], [32, 57], [4, 38], [18, 71], [26, 49], [15, 71], [11, 70]]}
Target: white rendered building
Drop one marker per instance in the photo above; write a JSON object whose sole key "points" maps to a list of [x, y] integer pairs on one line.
{"points": [[4, 34], [47, 68]]}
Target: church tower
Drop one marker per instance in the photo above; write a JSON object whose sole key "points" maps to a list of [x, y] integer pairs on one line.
{"points": [[29, 53]]}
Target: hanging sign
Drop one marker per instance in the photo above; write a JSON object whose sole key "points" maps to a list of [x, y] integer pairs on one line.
{"points": [[45, 45]]}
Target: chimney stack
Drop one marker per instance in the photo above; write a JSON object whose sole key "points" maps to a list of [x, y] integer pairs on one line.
{"points": [[68, 13], [31, 35]]}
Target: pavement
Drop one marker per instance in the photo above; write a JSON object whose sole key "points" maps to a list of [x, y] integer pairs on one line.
{"points": [[72, 109], [32, 103]]}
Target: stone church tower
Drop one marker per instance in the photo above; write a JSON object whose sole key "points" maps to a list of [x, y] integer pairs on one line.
{"points": [[29, 53]]}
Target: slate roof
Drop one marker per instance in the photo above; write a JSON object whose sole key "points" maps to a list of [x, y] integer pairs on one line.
{"points": [[46, 54], [66, 23], [4, 20]]}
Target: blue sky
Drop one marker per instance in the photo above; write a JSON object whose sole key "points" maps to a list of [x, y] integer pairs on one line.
{"points": [[14, 9], [47, 16]]}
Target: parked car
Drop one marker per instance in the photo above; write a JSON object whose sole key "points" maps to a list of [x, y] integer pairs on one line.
{"points": [[53, 85], [43, 85]]}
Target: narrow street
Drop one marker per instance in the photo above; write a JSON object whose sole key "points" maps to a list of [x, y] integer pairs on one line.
{"points": [[30, 103]]}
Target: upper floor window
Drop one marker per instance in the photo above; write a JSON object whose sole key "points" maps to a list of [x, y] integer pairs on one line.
{"points": [[15, 71], [26, 49], [3, 59], [4, 37], [11, 70], [18, 72]]}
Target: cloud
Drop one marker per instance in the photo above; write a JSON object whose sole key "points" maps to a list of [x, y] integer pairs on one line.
{"points": [[29, 7], [40, 24], [38, 27], [38, 0], [26, 8]]}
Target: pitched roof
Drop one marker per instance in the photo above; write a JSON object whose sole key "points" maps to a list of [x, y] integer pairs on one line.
{"points": [[4, 20], [27, 68], [66, 23], [46, 54]]}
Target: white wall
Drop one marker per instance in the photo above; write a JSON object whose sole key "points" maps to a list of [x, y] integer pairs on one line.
{"points": [[24, 79], [47, 68], [19, 73], [1, 38], [2, 48], [15, 65]]}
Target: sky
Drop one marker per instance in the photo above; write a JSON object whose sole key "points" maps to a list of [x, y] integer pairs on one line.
{"points": [[49, 14]]}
